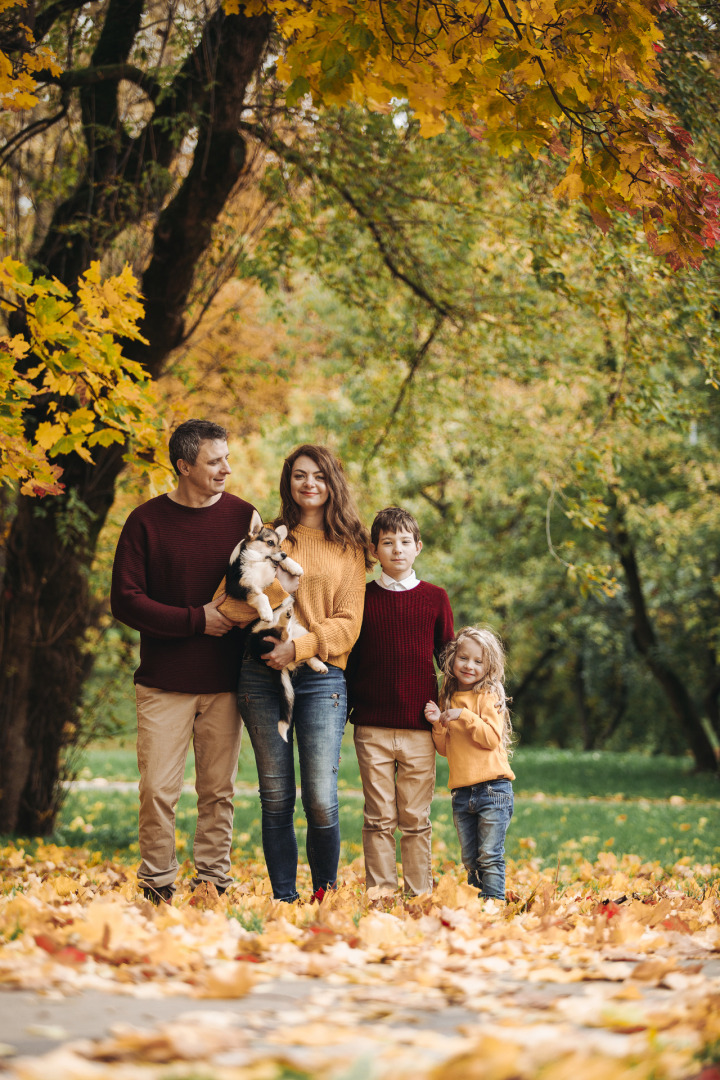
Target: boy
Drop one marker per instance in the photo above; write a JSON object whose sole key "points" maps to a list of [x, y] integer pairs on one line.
{"points": [[390, 678]]}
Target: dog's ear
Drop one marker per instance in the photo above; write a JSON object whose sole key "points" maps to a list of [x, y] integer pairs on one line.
{"points": [[282, 532], [256, 524]]}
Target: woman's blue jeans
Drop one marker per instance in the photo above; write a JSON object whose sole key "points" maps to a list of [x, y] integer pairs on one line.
{"points": [[482, 814], [319, 716]]}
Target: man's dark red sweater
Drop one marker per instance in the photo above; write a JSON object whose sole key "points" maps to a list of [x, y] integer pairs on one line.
{"points": [[390, 673], [170, 559]]}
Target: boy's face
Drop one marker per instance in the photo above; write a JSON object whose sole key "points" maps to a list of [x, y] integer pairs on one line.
{"points": [[396, 553]]}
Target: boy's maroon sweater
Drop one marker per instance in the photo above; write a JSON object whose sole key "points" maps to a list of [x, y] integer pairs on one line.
{"points": [[169, 561], [390, 673]]}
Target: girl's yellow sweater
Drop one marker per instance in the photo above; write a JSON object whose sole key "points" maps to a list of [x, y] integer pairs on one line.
{"points": [[329, 602], [473, 743]]}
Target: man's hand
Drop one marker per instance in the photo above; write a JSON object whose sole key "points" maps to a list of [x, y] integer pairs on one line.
{"points": [[216, 624], [289, 582], [282, 655]]}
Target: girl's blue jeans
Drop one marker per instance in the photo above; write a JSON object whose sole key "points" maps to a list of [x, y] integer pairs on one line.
{"points": [[319, 717], [482, 814]]}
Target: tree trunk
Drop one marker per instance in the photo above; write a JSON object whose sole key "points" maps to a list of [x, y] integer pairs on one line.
{"points": [[676, 692], [45, 614], [44, 606], [587, 726], [528, 692]]}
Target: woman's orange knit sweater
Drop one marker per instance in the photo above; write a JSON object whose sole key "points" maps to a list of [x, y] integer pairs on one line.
{"points": [[329, 601]]}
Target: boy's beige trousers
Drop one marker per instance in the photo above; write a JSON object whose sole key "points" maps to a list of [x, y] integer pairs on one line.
{"points": [[398, 777], [166, 723]]}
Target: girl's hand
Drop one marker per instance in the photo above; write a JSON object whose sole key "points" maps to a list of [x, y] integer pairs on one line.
{"points": [[450, 714], [432, 713]]}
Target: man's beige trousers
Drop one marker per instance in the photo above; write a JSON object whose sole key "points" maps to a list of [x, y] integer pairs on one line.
{"points": [[166, 723], [398, 777]]}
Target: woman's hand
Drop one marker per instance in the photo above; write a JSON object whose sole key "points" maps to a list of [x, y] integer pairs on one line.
{"points": [[282, 655]]}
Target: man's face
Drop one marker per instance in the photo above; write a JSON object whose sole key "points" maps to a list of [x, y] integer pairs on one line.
{"points": [[206, 478]]}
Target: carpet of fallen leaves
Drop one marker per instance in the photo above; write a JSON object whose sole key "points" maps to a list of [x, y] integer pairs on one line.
{"points": [[590, 971]]}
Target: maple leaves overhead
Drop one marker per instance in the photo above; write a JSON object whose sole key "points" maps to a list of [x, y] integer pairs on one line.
{"points": [[575, 78]]}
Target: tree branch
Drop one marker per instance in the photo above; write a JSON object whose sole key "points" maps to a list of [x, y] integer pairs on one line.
{"points": [[45, 20], [29, 132], [415, 364], [312, 171], [91, 76]]}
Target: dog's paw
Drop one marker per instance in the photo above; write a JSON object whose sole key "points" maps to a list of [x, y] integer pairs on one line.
{"points": [[283, 728], [263, 608], [317, 665], [291, 567]]}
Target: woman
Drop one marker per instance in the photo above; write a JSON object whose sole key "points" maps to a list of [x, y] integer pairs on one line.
{"points": [[326, 537]]}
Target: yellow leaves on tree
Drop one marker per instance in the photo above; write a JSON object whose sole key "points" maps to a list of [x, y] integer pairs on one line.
{"points": [[17, 85], [71, 356], [569, 77]]}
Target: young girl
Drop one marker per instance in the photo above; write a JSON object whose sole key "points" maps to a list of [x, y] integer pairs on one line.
{"points": [[472, 729]]}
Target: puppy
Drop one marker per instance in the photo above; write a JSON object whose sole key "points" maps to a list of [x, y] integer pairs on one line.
{"points": [[253, 564], [284, 626], [251, 569]]}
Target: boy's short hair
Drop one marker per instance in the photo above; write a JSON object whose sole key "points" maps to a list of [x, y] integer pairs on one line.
{"points": [[394, 519]]}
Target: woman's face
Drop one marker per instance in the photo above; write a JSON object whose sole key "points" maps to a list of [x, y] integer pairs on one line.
{"points": [[308, 486]]}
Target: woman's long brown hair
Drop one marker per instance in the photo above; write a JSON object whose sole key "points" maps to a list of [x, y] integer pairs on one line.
{"points": [[342, 520]]}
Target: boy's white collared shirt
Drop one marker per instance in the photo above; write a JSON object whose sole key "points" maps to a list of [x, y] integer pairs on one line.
{"points": [[407, 583]]}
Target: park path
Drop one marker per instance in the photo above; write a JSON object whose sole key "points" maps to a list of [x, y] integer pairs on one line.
{"points": [[336, 1026], [615, 975]]}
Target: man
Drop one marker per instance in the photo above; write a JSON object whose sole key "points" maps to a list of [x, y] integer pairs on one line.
{"points": [[172, 552]]}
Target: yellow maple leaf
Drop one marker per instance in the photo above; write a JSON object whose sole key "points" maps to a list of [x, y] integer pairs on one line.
{"points": [[570, 187]]}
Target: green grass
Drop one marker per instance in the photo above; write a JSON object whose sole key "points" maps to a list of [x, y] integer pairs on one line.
{"points": [[552, 772], [106, 821], [569, 805]]}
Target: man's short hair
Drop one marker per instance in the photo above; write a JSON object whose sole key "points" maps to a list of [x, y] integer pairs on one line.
{"points": [[186, 438], [394, 519]]}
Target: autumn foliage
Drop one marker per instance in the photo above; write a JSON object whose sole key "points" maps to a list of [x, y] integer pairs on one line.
{"points": [[578, 80], [70, 357], [19, 66], [592, 970]]}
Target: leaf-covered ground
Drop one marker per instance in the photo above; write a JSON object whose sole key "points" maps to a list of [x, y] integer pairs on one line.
{"points": [[598, 970]]}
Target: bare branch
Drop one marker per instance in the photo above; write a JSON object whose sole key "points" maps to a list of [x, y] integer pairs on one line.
{"points": [[415, 365], [91, 76], [29, 132], [45, 20], [312, 171]]}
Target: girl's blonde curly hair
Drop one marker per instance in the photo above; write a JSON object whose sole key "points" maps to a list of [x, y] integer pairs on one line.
{"points": [[492, 680]]}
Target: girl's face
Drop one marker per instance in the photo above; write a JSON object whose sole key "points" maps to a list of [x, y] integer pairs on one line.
{"points": [[469, 663], [308, 486]]}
